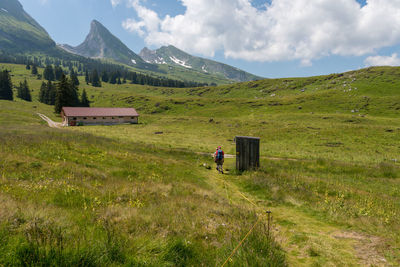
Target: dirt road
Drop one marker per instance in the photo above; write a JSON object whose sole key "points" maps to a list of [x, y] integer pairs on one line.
{"points": [[51, 123]]}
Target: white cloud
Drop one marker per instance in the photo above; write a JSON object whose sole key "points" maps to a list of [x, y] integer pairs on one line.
{"points": [[115, 2], [286, 29], [134, 26], [392, 60]]}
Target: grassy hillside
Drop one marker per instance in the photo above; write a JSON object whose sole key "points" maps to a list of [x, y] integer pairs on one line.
{"points": [[330, 175], [19, 31], [69, 199]]}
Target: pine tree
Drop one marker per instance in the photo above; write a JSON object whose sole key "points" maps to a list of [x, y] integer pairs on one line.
{"points": [[20, 91], [104, 77], [95, 79], [87, 77], [24, 92], [47, 93], [42, 93], [66, 94], [50, 93], [27, 93], [48, 73], [134, 78], [28, 67], [84, 100], [6, 92], [73, 98], [119, 80], [113, 79], [74, 77], [34, 70], [58, 72], [62, 94]]}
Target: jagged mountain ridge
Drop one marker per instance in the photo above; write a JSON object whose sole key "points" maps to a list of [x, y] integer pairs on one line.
{"points": [[19, 31], [171, 55], [101, 43], [21, 34]]}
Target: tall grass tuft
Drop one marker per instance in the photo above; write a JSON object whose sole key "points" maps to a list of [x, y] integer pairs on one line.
{"points": [[181, 253]]}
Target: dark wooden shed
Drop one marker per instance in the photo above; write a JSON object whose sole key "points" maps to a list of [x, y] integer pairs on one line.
{"points": [[247, 153]]}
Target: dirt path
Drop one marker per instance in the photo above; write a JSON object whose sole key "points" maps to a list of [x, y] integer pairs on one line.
{"points": [[307, 240], [365, 246], [230, 156], [51, 123]]}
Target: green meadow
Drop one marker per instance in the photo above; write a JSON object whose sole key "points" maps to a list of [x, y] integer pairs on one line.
{"points": [[149, 194]]}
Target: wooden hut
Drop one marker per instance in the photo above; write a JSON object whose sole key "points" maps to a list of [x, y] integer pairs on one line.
{"points": [[73, 116], [247, 153]]}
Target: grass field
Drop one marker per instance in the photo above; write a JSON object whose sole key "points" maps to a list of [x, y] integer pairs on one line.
{"points": [[123, 195]]}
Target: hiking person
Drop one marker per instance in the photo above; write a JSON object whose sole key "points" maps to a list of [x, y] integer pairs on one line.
{"points": [[219, 159]]}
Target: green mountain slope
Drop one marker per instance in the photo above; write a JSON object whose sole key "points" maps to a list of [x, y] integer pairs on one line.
{"points": [[171, 55], [19, 31]]}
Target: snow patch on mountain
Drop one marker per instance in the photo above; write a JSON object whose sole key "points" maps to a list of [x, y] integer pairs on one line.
{"points": [[204, 68], [180, 62], [160, 60], [133, 61], [5, 10]]}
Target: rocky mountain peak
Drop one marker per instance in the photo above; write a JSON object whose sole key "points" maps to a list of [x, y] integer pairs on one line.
{"points": [[101, 43]]}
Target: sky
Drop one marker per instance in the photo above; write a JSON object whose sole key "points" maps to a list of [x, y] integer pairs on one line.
{"points": [[269, 38]]}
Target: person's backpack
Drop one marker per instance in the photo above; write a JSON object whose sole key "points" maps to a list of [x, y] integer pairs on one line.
{"points": [[220, 154]]}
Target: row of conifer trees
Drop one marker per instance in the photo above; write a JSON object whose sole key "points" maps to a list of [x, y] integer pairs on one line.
{"points": [[95, 78], [64, 93], [6, 88], [23, 91], [88, 67]]}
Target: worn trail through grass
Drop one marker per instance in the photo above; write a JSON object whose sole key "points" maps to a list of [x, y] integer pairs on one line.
{"points": [[50, 122], [312, 242]]}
